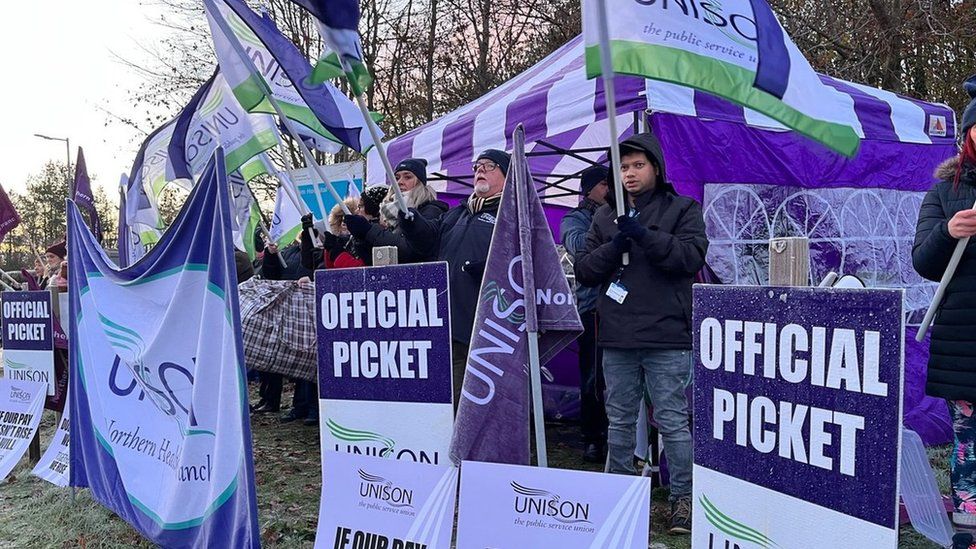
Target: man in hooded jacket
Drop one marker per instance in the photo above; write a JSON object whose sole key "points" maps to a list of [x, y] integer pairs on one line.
{"points": [[645, 311]]}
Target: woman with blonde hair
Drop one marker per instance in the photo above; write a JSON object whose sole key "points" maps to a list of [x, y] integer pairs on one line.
{"points": [[411, 178]]}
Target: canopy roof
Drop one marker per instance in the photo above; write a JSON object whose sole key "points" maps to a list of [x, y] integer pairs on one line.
{"points": [[564, 111]]}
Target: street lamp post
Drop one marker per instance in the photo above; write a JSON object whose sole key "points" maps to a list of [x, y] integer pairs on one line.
{"points": [[67, 148]]}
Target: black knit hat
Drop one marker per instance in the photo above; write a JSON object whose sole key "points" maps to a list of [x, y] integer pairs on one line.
{"points": [[498, 157], [969, 115], [591, 177], [416, 166], [372, 197]]}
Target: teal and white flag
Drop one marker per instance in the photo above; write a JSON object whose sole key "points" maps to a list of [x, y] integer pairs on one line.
{"points": [[214, 118], [320, 108], [160, 429], [734, 49]]}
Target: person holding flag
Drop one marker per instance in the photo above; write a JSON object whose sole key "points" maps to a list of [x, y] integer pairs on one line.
{"points": [[462, 237], [645, 311], [411, 178]]}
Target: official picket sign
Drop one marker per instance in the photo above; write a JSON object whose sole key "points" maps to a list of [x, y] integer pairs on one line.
{"points": [[798, 396], [21, 406], [344, 177], [28, 338], [520, 506], [384, 352], [55, 462], [384, 503]]}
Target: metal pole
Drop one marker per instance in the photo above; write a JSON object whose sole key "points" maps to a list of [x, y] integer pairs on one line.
{"points": [[381, 150], [940, 291], [266, 89], [289, 186], [263, 225], [71, 180], [606, 70], [538, 419]]}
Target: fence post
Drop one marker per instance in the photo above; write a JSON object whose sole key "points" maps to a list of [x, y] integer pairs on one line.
{"points": [[789, 261], [385, 255]]}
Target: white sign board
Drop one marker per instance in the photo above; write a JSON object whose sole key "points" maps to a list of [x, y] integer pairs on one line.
{"points": [[517, 506], [376, 502]]}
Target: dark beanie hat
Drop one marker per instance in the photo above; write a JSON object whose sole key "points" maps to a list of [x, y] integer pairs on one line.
{"points": [[372, 197], [969, 115], [498, 157], [59, 249], [591, 177], [416, 166]]}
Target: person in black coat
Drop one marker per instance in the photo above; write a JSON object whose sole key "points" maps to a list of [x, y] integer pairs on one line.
{"points": [[645, 311], [946, 216], [411, 178], [271, 384], [461, 237]]}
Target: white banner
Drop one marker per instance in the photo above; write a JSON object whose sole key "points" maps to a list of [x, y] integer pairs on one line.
{"points": [[53, 466], [520, 506], [21, 405], [376, 502]]}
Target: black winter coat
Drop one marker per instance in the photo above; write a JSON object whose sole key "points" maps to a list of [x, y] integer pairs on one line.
{"points": [[952, 353], [271, 268], [656, 314], [406, 252], [462, 239]]}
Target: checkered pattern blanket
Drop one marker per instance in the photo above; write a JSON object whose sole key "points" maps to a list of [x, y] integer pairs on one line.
{"points": [[278, 318]]}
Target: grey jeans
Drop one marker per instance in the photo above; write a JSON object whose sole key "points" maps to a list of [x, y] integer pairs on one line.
{"points": [[665, 374]]}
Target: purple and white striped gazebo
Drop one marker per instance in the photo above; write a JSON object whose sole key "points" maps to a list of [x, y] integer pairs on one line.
{"points": [[755, 179]]}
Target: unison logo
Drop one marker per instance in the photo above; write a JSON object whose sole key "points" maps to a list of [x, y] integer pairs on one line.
{"points": [[19, 395], [534, 501], [379, 488], [368, 443], [730, 530]]}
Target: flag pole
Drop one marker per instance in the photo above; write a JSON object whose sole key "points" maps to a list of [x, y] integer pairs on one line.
{"points": [[263, 224], [606, 72], [519, 173], [266, 89], [380, 149], [940, 291]]}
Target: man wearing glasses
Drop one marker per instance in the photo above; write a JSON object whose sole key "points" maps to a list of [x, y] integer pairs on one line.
{"points": [[461, 237]]}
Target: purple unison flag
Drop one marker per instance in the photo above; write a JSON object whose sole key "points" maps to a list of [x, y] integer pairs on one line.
{"points": [[493, 416], [9, 218], [81, 193]]}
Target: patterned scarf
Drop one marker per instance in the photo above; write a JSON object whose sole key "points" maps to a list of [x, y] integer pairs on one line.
{"points": [[475, 203]]}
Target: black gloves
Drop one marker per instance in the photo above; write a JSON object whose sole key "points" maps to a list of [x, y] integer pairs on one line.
{"points": [[631, 228], [306, 222], [621, 243], [358, 225], [407, 223]]}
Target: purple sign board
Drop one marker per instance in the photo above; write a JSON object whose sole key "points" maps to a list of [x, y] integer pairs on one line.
{"points": [[798, 395], [28, 338], [384, 361]]}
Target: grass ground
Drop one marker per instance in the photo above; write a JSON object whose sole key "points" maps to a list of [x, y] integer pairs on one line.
{"points": [[35, 514]]}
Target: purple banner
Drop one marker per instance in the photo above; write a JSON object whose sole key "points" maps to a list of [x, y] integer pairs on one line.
{"points": [[81, 193], [384, 333], [492, 422], [9, 218], [798, 391], [26, 321]]}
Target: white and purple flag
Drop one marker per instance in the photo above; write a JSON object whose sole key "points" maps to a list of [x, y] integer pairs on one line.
{"points": [[735, 49], [492, 421], [320, 108], [214, 118]]}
